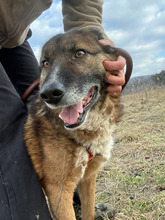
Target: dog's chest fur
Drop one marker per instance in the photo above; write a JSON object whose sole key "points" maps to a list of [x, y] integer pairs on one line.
{"points": [[51, 146]]}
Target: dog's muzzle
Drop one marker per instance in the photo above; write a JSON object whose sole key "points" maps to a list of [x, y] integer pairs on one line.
{"points": [[52, 93], [72, 115]]}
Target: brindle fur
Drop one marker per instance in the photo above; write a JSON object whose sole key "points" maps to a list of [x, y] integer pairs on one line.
{"points": [[59, 155]]}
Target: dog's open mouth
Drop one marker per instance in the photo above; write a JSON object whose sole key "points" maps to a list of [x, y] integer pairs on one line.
{"points": [[73, 116]]}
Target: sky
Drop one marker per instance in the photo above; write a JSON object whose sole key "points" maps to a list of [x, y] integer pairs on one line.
{"points": [[137, 26]]}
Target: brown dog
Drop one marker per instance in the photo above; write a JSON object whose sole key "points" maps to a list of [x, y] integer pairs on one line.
{"points": [[71, 121]]}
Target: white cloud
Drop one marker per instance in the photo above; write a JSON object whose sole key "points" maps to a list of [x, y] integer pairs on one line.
{"points": [[37, 52], [47, 25], [138, 27]]}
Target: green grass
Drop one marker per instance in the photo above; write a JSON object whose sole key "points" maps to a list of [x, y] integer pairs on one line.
{"points": [[134, 179]]}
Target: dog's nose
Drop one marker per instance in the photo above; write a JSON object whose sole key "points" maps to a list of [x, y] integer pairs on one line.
{"points": [[52, 93]]}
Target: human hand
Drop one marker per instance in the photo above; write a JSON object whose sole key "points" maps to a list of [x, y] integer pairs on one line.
{"points": [[116, 81]]}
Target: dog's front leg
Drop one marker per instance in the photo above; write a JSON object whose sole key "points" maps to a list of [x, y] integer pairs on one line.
{"points": [[60, 201], [87, 197]]}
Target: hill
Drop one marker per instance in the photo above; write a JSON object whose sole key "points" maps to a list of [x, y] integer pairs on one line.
{"points": [[143, 83]]}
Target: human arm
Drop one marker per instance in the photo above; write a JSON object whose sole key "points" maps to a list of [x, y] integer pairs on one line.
{"points": [[82, 14]]}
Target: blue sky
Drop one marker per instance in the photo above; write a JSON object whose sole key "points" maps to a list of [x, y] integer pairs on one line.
{"points": [[137, 26]]}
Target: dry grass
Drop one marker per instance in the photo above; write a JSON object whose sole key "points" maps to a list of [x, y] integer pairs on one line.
{"points": [[134, 179]]}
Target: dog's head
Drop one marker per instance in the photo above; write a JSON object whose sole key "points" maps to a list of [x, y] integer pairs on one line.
{"points": [[73, 76]]}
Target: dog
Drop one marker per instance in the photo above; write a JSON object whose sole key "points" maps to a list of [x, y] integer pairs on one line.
{"points": [[70, 123]]}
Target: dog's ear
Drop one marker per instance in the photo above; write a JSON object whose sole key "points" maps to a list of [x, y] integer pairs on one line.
{"points": [[107, 49], [110, 50], [98, 34]]}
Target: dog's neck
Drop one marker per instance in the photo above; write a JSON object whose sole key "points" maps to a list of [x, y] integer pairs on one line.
{"points": [[95, 134]]}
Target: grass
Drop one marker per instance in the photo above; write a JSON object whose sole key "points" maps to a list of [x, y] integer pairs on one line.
{"points": [[134, 179]]}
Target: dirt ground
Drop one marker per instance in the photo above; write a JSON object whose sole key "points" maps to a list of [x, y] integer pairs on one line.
{"points": [[133, 181]]}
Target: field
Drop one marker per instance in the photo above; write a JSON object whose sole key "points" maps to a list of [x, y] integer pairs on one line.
{"points": [[133, 181]]}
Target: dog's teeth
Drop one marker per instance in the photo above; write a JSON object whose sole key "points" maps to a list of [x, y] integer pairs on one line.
{"points": [[60, 117], [78, 115]]}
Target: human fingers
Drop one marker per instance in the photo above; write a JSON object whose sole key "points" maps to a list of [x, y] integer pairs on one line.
{"points": [[106, 42], [112, 89], [118, 80], [114, 65], [115, 81]]}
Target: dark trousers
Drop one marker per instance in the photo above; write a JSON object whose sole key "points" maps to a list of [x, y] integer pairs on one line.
{"points": [[21, 196]]}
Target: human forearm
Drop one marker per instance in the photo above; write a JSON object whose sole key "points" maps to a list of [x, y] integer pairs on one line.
{"points": [[83, 14]]}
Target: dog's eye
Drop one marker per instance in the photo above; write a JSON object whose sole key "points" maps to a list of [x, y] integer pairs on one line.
{"points": [[80, 53], [46, 64]]}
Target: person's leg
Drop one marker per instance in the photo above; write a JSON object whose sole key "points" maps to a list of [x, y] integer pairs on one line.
{"points": [[20, 65], [21, 196]]}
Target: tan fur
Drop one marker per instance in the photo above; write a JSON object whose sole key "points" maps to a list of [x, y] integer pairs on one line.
{"points": [[60, 156]]}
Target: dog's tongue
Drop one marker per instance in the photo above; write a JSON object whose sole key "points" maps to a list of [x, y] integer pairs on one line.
{"points": [[70, 114]]}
